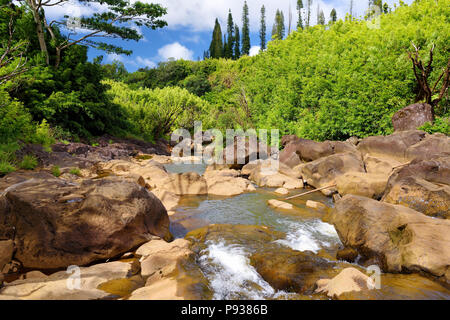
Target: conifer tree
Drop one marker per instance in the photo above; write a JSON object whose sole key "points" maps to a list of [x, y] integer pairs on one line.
{"points": [[279, 27], [216, 47], [299, 10], [263, 30], [245, 30], [308, 13], [229, 47], [320, 17], [237, 43], [333, 16]]}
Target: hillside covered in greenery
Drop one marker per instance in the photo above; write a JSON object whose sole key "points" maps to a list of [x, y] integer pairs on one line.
{"points": [[346, 78]]}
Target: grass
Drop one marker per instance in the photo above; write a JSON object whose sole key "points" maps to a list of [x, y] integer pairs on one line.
{"points": [[6, 167], [56, 171], [29, 162], [75, 171]]}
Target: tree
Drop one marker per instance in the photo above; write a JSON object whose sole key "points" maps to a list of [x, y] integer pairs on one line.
{"points": [[263, 29], [12, 59], [237, 43], [279, 27], [216, 47], [111, 23], [299, 10], [308, 13], [229, 47], [351, 8], [333, 15], [245, 30], [427, 93], [320, 16]]}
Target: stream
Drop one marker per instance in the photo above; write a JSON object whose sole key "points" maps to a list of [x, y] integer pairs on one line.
{"points": [[224, 257]]}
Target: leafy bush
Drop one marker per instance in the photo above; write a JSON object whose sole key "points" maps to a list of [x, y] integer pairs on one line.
{"points": [[29, 162], [155, 113], [6, 167], [15, 121], [440, 125]]}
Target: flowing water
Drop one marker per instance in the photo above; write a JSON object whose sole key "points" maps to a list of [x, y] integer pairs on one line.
{"points": [[225, 258]]}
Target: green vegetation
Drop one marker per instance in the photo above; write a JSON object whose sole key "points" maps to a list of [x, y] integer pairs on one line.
{"points": [[441, 125], [343, 79], [75, 171], [29, 162], [56, 171]]}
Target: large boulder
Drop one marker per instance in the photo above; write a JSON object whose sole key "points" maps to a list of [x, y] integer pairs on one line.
{"points": [[423, 186], [6, 252], [324, 171], [412, 117], [303, 150], [393, 146], [436, 145], [266, 176], [226, 183], [380, 166], [396, 238], [58, 223], [238, 154], [362, 184], [73, 284]]}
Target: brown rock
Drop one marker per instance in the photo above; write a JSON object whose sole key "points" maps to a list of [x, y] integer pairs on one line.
{"points": [[348, 280], [111, 218], [6, 252], [393, 146], [347, 254], [397, 238], [412, 117], [436, 145], [324, 172], [423, 186], [362, 184]]}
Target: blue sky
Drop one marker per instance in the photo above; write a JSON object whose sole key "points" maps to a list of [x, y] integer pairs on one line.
{"points": [[190, 25]]}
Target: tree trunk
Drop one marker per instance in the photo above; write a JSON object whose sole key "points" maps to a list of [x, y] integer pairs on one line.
{"points": [[39, 29]]}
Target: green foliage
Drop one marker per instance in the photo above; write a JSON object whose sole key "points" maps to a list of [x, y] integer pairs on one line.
{"points": [[333, 83], [56, 171], [216, 47], [29, 162], [7, 157], [440, 125], [75, 171], [6, 167], [44, 136], [15, 121], [155, 113]]}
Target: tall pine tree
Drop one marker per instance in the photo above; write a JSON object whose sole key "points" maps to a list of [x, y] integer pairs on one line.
{"points": [[300, 18], [237, 43], [279, 28], [308, 13], [263, 29], [320, 16], [333, 16], [228, 51], [245, 30], [216, 47]]}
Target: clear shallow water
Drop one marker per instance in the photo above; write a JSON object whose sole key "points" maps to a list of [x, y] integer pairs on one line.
{"points": [[225, 262]]}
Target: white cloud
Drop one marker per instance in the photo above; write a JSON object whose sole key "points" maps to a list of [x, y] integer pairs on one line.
{"points": [[176, 51], [254, 50], [145, 62]]}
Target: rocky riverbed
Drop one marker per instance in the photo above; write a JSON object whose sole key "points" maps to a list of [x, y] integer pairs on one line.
{"points": [[129, 223]]}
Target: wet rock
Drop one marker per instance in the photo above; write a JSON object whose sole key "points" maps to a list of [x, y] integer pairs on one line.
{"points": [[282, 191], [423, 186], [64, 285], [111, 218], [362, 184], [315, 205], [397, 238], [237, 155], [348, 280], [347, 254], [393, 146], [289, 270], [324, 171], [280, 205], [6, 252], [412, 117], [190, 183]]}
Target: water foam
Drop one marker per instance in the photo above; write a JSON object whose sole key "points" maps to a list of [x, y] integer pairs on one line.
{"points": [[309, 236], [230, 274]]}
